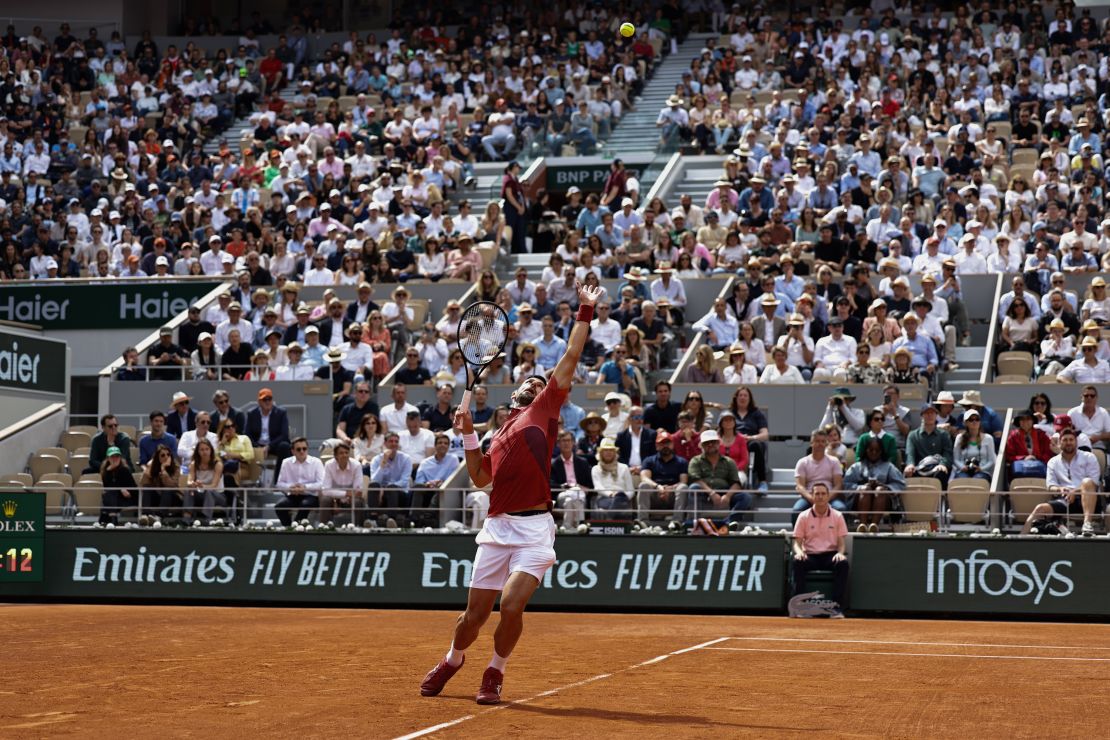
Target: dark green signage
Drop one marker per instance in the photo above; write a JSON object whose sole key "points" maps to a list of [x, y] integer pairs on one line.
{"points": [[22, 519], [983, 576], [115, 305], [588, 174], [32, 363], [727, 573]]}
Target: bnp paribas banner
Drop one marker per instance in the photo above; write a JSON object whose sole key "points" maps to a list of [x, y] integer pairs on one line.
{"points": [[119, 304], [726, 573], [981, 576]]}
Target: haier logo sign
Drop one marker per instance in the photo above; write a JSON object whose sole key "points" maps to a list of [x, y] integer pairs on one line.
{"points": [[981, 574]]}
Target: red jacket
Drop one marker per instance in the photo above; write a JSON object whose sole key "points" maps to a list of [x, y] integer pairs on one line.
{"points": [[1016, 448]]}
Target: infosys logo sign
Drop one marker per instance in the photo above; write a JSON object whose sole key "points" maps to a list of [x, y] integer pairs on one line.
{"points": [[980, 574]]}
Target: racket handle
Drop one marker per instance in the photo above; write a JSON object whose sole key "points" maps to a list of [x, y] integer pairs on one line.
{"points": [[465, 402]]}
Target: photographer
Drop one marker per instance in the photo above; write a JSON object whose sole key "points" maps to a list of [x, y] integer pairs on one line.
{"points": [[973, 451], [874, 481], [839, 411]]}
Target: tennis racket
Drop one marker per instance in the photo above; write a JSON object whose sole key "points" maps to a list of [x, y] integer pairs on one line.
{"points": [[482, 333]]}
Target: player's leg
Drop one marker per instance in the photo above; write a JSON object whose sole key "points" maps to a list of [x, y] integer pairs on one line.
{"points": [[518, 591], [491, 569]]}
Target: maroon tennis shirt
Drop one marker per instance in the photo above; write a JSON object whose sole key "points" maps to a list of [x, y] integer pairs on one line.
{"points": [[520, 455]]}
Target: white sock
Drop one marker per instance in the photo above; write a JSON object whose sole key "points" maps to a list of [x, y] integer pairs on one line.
{"points": [[455, 656], [497, 662]]}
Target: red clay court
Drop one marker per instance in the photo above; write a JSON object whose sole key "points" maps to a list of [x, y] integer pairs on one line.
{"points": [[120, 671]]}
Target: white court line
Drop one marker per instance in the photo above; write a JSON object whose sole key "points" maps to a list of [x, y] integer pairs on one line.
{"points": [[549, 692], [911, 655], [930, 644]]}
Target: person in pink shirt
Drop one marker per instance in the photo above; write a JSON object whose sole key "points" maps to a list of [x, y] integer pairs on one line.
{"points": [[464, 262], [330, 164], [820, 535]]}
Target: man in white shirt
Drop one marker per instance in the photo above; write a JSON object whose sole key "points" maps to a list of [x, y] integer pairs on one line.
{"points": [[603, 329], [342, 491], [319, 274], [234, 322], [359, 356], [466, 222], [188, 441], [669, 287], [501, 134], [301, 478], [1087, 368], [1073, 475], [211, 262], [969, 261], [416, 441], [833, 353], [294, 367], [394, 415], [1088, 417]]}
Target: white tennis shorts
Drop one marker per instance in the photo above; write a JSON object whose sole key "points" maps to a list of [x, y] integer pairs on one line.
{"points": [[508, 544]]}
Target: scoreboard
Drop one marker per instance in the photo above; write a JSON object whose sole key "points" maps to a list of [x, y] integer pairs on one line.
{"points": [[22, 532]]}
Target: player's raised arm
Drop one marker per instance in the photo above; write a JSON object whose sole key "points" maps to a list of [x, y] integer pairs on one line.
{"points": [[477, 464], [587, 299]]}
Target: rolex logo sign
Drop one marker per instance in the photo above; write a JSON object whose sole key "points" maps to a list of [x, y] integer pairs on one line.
{"points": [[9, 508], [28, 522]]}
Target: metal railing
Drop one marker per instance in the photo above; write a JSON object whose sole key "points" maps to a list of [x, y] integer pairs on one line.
{"points": [[86, 504]]}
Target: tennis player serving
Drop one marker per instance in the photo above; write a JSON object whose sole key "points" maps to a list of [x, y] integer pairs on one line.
{"points": [[516, 545]]}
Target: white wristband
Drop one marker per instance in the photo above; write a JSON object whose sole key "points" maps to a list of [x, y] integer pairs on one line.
{"points": [[470, 441]]}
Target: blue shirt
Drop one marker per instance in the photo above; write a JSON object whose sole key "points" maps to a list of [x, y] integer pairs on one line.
{"points": [[550, 351], [923, 349], [572, 417], [148, 444], [612, 373], [397, 473], [588, 222], [432, 469], [665, 473]]}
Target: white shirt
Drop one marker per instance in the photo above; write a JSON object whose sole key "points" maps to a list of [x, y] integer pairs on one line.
{"points": [[246, 333], [301, 371], [607, 333], [394, 418], [309, 474], [1099, 423], [338, 481], [1062, 473], [358, 357], [416, 445], [188, 443], [634, 459], [831, 353]]}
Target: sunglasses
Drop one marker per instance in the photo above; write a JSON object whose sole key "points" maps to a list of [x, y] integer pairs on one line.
{"points": [[300, 449]]}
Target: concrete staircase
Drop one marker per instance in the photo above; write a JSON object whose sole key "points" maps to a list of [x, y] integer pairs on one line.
{"points": [[698, 175], [234, 133], [636, 132]]}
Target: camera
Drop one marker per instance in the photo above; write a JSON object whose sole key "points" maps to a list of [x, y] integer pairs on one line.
{"points": [[838, 401], [886, 399], [973, 464]]}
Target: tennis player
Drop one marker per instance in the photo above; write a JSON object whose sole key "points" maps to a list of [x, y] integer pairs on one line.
{"points": [[516, 544]]}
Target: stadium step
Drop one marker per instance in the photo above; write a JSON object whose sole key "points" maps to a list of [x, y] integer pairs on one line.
{"points": [[635, 133]]}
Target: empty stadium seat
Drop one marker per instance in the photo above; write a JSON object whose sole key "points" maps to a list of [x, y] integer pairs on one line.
{"points": [[967, 499], [40, 465], [64, 478], [72, 441], [921, 499], [1015, 363]]}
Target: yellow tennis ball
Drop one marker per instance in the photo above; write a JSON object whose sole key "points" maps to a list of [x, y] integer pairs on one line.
{"points": [[627, 29]]}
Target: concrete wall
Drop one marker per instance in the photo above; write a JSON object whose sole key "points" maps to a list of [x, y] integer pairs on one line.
{"points": [[18, 441]]}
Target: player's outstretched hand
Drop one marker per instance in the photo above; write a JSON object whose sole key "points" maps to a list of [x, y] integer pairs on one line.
{"points": [[463, 420], [587, 294]]}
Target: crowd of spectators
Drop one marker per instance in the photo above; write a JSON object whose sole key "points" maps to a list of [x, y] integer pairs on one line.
{"points": [[104, 170]]}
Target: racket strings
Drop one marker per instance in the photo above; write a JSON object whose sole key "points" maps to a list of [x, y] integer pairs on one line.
{"points": [[483, 333]]}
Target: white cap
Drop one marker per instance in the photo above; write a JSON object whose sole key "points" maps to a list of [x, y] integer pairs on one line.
{"points": [[51, 264], [168, 142], [709, 436], [334, 193], [627, 202], [162, 261], [226, 258]]}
